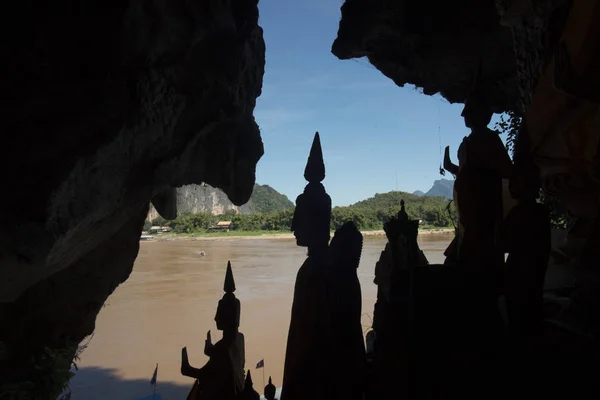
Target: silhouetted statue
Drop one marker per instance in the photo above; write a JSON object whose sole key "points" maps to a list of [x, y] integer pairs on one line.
{"points": [[401, 233], [346, 309], [270, 390], [390, 339], [208, 345], [248, 393], [383, 271], [222, 378], [451, 251], [483, 163], [528, 245], [306, 368]]}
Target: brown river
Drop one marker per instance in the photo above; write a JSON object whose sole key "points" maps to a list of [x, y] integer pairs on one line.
{"points": [[169, 302]]}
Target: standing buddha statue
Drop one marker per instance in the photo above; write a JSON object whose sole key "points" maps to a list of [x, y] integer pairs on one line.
{"points": [[306, 369], [528, 239], [346, 311], [484, 162], [222, 378]]}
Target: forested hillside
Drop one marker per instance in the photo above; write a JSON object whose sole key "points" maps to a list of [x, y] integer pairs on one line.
{"points": [[372, 212], [369, 214], [265, 199]]}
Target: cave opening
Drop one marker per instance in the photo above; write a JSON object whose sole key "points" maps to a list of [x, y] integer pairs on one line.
{"points": [[156, 142]]}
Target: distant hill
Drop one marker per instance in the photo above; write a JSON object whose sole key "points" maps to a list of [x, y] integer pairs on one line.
{"points": [[418, 193], [388, 200], [372, 212], [442, 188], [207, 199], [266, 199]]}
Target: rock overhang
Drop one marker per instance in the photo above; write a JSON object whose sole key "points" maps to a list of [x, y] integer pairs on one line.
{"points": [[437, 47]]}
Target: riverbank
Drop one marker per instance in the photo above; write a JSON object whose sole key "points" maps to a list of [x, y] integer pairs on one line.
{"points": [[253, 235]]}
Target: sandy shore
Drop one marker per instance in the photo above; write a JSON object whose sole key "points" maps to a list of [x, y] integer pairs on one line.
{"points": [[169, 237]]}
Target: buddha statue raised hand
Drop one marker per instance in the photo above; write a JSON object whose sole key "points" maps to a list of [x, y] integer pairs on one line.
{"points": [[223, 375]]}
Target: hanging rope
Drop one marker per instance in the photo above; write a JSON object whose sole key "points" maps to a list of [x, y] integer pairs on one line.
{"points": [[442, 170]]}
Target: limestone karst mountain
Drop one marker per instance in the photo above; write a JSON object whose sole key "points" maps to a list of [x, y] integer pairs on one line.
{"points": [[207, 199], [441, 188]]}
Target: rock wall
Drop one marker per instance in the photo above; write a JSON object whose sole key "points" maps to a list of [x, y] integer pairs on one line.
{"points": [[111, 103], [536, 32], [437, 47], [202, 199]]}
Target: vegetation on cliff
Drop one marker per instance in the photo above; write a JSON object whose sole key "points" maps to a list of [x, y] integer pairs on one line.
{"points": [[369, 214], [510, 124], [265, 199]]}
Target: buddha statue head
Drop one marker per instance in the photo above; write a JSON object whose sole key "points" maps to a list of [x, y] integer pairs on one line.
{"points": [[346, 246], [228, 310], [270, 390], [312, 216], [477, 113]]}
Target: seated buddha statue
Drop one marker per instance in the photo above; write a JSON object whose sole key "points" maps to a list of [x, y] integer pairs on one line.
{"points": [[222, 377], [270, 390]]}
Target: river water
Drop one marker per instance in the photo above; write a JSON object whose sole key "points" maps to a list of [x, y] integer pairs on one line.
{"points": [[170, 300]]}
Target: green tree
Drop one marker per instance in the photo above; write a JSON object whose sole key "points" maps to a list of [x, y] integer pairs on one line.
{"points": [[510, 123]]}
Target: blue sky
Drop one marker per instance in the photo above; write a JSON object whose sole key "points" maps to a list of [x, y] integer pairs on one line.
{"points": [[371, 130]]}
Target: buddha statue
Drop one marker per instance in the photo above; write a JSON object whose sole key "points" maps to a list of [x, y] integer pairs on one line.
{"points": [[483, 163], [248, 393], [270, 390], [528, 244], [307, 358], [346, 309], [451, 252], [222, 377]]}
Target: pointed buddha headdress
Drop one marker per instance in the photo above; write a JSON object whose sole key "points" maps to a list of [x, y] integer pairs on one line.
{"points": [[249, 393], [228, 310], [270, 390], [402, 215], [313, 207], [315, 166]]}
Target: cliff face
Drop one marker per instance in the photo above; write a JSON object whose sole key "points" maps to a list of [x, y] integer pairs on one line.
{"points": [[207, 199], [195, 199], [443, 188], [111, 103], [202, 199]]}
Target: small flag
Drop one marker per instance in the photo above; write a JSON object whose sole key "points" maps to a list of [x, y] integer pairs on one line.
{"points": [[260, 364], [153, 380]]}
